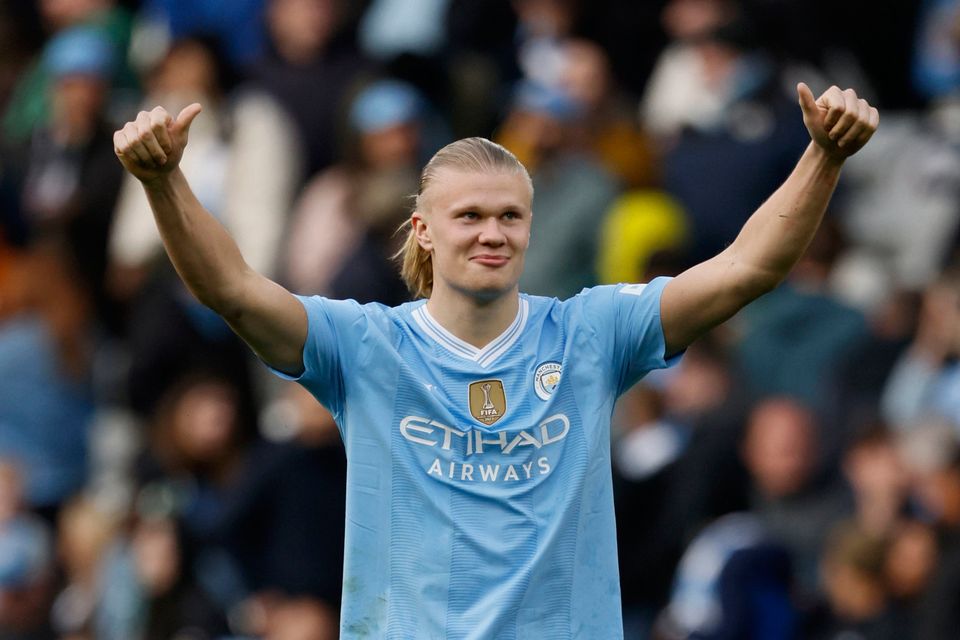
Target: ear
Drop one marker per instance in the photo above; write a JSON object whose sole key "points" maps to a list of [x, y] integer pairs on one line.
{"points": [[421, 230]]}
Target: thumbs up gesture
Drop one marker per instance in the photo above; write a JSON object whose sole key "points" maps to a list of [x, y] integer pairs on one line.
{"points": [[151, 145], [838, 121]]}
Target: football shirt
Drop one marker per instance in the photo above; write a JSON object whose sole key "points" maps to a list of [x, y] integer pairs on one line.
{"points": [[479, 499]]}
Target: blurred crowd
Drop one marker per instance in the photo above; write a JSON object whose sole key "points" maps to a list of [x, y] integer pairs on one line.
{"points": [[796, 476]]}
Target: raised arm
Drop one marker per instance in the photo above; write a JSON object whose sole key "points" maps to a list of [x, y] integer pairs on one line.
{"points": [[207, 259], [777, 234]]}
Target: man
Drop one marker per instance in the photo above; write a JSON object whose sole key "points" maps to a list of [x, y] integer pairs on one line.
{"points": [[476, 423]]}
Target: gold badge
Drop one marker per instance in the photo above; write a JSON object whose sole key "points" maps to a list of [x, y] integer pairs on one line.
{"points": [[488, 402]]}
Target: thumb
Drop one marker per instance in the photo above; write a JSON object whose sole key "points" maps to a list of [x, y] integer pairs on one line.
{"points": [[807, 102], [186, 117]]}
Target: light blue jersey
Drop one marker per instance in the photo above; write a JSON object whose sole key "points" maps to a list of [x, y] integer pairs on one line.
{"points": [[479, 500]]}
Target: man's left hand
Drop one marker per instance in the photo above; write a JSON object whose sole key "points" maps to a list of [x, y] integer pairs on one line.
{"points": [[838, 121]]}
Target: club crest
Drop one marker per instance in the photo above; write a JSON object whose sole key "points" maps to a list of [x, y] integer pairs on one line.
{"points": [[488, 402], [546, 379]]}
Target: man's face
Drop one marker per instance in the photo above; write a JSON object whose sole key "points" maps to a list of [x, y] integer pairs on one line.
{"points": [[780, 447], [477, 228]]}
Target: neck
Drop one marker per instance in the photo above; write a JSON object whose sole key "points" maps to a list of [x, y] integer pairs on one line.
{"points": [[473, 320]]}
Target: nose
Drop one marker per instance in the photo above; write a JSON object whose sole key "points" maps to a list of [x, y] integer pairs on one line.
{"points": [[491, 233]]}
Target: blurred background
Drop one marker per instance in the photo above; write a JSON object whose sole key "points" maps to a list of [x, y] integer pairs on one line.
{"points": [[797, 476]]}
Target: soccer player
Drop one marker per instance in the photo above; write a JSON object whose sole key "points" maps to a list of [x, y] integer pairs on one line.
{"points": [[476, 419]]}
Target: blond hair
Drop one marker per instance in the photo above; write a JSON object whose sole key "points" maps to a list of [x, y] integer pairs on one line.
{"points": [[475, 155]]}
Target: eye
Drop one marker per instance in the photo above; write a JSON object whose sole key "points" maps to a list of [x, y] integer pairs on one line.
{"points": [[511, 215], [470, 215]]}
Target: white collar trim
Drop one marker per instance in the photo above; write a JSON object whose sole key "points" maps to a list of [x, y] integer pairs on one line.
{"points": [[485, 356]]}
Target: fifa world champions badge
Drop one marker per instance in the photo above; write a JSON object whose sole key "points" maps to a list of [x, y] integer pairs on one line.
{"points": [[488, 401]]}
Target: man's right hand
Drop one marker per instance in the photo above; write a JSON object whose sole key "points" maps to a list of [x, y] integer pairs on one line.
{"points": [[151, 146]]}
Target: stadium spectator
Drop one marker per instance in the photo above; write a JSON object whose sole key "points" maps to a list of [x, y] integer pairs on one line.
{"points": [[879, 480], [70, 187], [608, 127], [936, 62], [925, 382], [46, 405], [260, 520], [27, 569], [854, 399], [933, 458], [912, 557], [644, 458], [310, 66], [481, 64], [684, 90], [726, 115], [793, 341], [341, 233], [30, 105], [150, 590], [858, 601], [797, 501], [573, 190], [85, 532], [734, 581]]}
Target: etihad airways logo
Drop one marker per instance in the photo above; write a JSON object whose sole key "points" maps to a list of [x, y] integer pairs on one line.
{"points": [[474, 442]]}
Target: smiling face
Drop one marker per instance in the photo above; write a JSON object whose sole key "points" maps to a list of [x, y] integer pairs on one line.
{"points": [[476, 226]]}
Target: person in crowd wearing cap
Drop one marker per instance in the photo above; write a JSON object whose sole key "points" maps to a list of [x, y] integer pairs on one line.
{"points": [[30, 106], [342, 229], [476, 419], [71, 184]]}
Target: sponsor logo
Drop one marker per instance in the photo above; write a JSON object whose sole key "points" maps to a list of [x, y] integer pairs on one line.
{"points": [[546, 379], [431, 433], [469, 472], [488, 402], [472, 444]]}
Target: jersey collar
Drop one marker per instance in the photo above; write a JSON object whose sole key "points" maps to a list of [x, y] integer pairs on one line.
{"points": [[485, 356]]}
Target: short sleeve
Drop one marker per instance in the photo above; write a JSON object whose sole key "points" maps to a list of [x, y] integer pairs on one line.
{"points": [[328, 323], [627, 320]]}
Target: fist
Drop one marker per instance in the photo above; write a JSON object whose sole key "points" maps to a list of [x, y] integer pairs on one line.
{"points": [[152, 145], [838, 121]]}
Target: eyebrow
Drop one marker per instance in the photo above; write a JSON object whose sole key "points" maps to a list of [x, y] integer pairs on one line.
{"points": [[487, 209]]}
